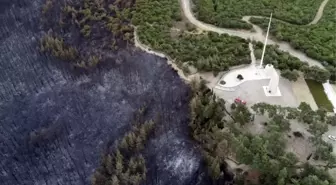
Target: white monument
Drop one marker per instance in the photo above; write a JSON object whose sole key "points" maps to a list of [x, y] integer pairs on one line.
{"points": [[273, 87]]}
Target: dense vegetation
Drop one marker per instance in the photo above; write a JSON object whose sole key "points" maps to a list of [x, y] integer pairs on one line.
{"points": [[125, 165], [222, 137], [290, 65], [280, 60], [317, 41], [92, 28], [228, 13], [207, 52], [207, 113]]}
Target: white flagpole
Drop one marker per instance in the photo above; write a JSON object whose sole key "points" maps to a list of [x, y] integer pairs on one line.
{"points": [[263, 52]]}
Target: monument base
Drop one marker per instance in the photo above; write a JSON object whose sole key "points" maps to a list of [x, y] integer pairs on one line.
{"points": [[271, 94]]}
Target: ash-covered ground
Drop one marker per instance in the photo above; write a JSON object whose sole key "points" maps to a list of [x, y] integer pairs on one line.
{"points": [[76, 114]]}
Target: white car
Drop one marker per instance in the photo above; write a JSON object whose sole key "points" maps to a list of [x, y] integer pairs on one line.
{"points": [[332, 137]]}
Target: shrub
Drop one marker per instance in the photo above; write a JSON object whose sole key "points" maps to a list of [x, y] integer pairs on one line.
{"points": [[290, 75], [233, 106], [86, 30]]}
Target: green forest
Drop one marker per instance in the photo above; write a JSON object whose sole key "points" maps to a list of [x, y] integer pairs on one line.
{"points": [[317, 41], [290, 66], [227, 139], [290, 24], [228, 13], [206, 51]]}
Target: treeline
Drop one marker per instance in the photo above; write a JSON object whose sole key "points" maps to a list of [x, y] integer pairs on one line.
{"points": [[210, 129], [317, 41], [290, 66], [57, 48], [92, 27], [125, 165], [207, 52], [91, 15], [222, 135], [207, 11], [228, 14]]}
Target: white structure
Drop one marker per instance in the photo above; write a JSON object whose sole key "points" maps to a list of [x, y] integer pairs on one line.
{"points": [[253, 72], [273, 87], [264, 49]]}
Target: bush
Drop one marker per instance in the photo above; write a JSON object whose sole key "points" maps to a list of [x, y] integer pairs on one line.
{"points": [[290, 75], [86, 31], [316, 73], [233, 106], [331, 120], [240, 77]]}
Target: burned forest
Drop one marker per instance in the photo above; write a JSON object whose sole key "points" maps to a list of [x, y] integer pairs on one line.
{"points": [[80, 105]]}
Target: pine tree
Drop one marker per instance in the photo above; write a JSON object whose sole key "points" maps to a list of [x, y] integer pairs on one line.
{"points": [[114, 180], [214, 168], [109, 164], [119, 162], [282, 176]]}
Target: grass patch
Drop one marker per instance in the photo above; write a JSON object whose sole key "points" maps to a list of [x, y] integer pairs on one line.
{"points": [[319, 95]]}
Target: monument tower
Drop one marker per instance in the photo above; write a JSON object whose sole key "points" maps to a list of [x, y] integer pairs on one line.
{"points": [[273, 87]]}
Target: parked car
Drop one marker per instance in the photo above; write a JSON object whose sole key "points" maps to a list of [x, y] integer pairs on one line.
{"points": [[238, 100], [332, 137]]}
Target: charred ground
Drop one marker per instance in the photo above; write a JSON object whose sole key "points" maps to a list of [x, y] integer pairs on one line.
{"points": [[56, 121]]}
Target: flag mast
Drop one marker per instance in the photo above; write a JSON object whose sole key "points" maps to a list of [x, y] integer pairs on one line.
{"points": [[263, 52]]}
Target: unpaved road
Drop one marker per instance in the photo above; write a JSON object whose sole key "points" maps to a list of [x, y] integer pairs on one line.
{"points": [[319, 13], [257, 36]]}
